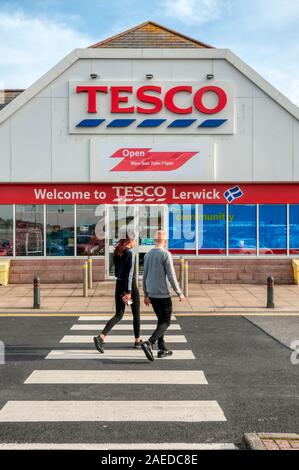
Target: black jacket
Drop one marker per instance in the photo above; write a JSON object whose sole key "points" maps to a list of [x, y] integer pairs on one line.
{"points": [[125, 268]]}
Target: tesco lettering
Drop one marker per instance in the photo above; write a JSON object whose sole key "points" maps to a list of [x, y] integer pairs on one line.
{"points": [[153, 96], [137, 191]]}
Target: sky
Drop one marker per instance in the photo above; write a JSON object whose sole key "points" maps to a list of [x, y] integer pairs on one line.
{"points": [[36, 34]]}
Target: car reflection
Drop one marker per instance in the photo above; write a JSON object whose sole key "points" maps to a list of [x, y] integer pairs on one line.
{"points": [[247, 246]]}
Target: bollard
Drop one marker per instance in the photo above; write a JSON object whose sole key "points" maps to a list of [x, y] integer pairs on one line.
{"points": [[36, 292], [89, 261], [270, 292], [182, 271], [85, 280], [186, 280]]}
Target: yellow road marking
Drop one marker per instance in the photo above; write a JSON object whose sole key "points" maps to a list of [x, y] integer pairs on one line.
{"points": [[211, 314]]}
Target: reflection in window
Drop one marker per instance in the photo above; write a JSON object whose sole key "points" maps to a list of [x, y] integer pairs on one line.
{"points": [[182, 226], [150, 220], [60, 230], [294, 229], [29, 230], [242, 229], [212, 229], [90, 230], [272, 229], [6, 230]]}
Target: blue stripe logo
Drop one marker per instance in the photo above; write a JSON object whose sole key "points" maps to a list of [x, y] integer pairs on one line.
{"points": [[90, 122], [152, 123], [120, 122]]}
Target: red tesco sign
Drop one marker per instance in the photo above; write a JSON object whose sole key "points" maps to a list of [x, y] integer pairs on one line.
{"points": [[152, 95]]}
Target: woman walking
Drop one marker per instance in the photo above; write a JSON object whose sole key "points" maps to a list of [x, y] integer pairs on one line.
{"points": [[126, 291]]}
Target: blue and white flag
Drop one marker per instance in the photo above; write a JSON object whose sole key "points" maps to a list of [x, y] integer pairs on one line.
{"points": [[233, 193]]}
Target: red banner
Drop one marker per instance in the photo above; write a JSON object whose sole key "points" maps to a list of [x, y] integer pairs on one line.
{"points": [[156, 193]]}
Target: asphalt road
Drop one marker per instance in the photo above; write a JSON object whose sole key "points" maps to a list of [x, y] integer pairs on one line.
{"points": [[249, 376]]}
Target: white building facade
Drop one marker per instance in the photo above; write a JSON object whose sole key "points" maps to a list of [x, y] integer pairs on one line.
{"points": [[117, 138]]}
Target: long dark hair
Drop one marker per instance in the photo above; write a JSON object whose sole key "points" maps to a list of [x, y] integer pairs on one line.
{"points": [[121, 246]]}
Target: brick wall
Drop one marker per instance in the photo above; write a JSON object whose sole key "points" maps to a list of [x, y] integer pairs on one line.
{"points": [[246, 271], [226, 270], [53, 271]]}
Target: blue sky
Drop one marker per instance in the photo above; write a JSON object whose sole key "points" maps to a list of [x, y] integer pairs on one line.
{"points": [[36, 34]]}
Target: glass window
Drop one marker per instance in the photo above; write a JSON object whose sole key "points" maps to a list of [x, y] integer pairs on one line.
{"points": [[273, 229], [294, 229], [6, 230], [212, 229], [29, 230], [242, 229], [90, 230], [60, 230], [182, 226]]}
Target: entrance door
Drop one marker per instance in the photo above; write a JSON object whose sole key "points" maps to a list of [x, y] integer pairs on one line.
{"points": [[142, 221], [150, 219]]}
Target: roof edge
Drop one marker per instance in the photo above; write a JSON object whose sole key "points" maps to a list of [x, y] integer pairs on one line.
{"points": [[134, 28]]}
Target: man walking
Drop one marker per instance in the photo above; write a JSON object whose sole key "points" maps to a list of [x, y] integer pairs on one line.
{"points": [[158, 276]]}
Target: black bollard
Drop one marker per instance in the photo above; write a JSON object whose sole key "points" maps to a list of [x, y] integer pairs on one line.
{"points": [[36, 292], [270, 292]]}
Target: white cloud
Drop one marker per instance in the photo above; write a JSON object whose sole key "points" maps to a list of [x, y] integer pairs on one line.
{"points": [[193, 12], [30, 46]]}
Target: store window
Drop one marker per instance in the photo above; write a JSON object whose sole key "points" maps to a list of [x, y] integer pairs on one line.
{"points": [[273, 229], [294, 229], [212, 229], [182, 229], [6, 230], [60, 230], [242, 229], [29, 230], [90, 230]]}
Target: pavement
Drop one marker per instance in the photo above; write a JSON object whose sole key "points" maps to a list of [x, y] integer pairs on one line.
{"points": [[203, 298], [271, 441], [227, 377]]}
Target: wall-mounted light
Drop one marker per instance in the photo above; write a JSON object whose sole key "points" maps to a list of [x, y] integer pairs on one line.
{"points": [[149, 76], [210, 76], [93, 75]]}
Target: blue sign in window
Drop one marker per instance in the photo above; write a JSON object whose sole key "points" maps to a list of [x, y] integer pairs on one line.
{"points": [[182, 228], [212, 229], [294, 229], [242, 229], [273, 229]]}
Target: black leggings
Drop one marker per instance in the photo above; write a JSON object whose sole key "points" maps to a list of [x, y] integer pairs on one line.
{"points": [[120, 307]]}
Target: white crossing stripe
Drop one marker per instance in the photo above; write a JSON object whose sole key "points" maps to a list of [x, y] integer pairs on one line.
{"points": [[120, 326], [137, 377], [119, 354], [143, 410], [150, 317], [116, 446], [117, 339]]}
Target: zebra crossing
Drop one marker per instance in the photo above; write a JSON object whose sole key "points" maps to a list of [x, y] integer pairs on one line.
{"points": [[120, 354]]}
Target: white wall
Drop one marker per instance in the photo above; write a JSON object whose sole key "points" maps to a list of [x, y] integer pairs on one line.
{"points": [[35, 144]]}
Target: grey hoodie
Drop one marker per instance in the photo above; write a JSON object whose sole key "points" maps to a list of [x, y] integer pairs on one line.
{"points": [[159, 274]]}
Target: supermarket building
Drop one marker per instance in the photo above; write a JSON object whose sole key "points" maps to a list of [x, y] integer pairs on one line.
{"points": [[144, 130]]}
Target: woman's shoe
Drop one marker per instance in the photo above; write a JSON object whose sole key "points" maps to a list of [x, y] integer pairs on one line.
{"points": [[98, 342], [137, 344]]}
